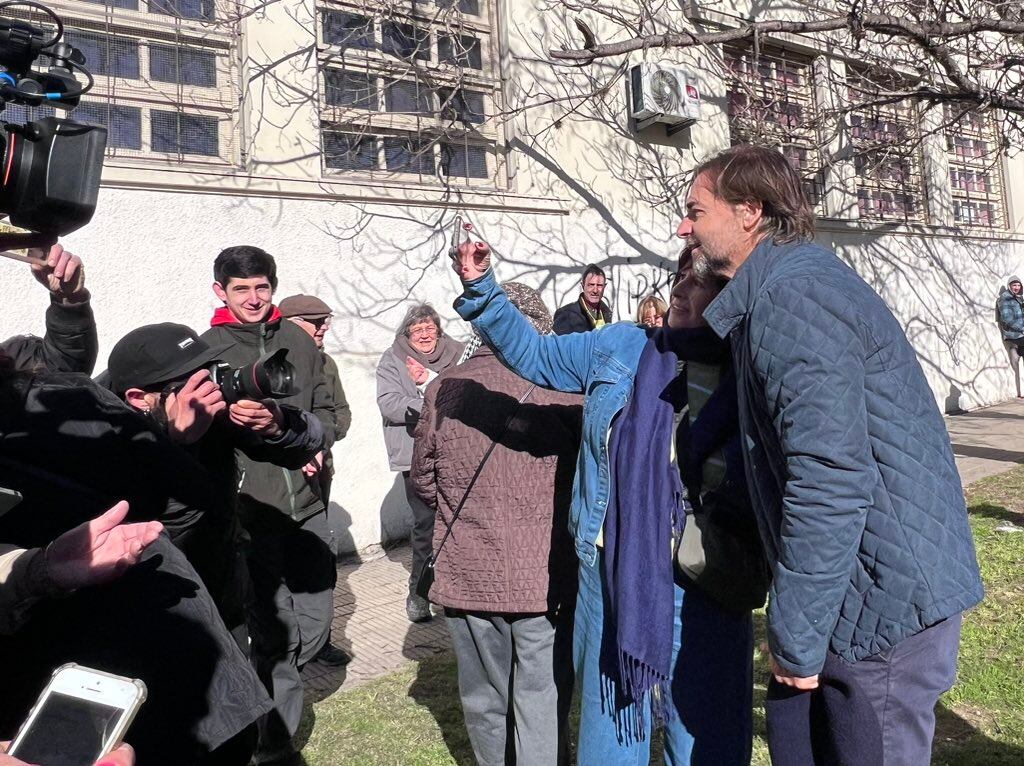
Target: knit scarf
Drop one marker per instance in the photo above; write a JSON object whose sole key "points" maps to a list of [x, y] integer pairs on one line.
{"points": [[645, 507], [603, 312], [445, 353]]}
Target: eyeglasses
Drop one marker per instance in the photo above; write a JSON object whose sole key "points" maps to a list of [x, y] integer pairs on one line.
{"points": [[318, 322], [427, 331]]}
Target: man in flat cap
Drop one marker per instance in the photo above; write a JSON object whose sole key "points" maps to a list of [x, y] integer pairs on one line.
{"points": [[314, 316]]}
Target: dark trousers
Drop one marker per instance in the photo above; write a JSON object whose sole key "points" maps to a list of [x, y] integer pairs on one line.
{"points": [[515, 681], [880, 710], [293, 573], [422, 536]]}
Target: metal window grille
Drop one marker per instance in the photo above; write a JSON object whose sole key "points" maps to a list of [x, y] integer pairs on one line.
{"points": [[349, 30], [461, 105], [352, 89], [409, 154], [470, 7], [20, 113], [408, 97], [128, 5], [184, 9], [348, 151], [771, 103], [463, 160], [887, 154], [106, 54], [123, 123], [413, 97], [406, 41], [179, 64], [975, 170], [179, 133], [460, 51]]}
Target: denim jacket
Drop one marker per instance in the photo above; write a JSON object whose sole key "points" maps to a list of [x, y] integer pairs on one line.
{"points": [[600, 364]]}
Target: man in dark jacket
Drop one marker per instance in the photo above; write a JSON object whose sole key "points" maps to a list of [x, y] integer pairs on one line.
{"points": [[590, 312], [314, 317], [507, 573], [70, 343], [73, 450], [290, 561], [848, 460], [161, 370]]}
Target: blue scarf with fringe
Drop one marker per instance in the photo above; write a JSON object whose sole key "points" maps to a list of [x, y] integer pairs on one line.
{"points": [[645, 507]]}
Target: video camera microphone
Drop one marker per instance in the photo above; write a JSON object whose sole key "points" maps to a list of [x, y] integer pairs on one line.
{"points": [[50, 168]]}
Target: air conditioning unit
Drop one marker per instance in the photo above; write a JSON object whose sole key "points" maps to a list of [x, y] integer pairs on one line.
{"points": [[661, 93]]}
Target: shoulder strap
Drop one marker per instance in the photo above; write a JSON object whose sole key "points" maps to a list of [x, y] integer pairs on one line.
{"points": [[480, 468]]}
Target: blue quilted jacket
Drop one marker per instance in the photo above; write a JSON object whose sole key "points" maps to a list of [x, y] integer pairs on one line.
{"points": [[848, 460], [1011, 314]]}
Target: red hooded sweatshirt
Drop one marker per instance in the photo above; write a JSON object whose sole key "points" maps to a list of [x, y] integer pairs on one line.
{"points": [[223, 315]]}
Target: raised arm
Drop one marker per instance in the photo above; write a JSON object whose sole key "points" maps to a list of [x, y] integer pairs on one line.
{"points": [[553, 361]]}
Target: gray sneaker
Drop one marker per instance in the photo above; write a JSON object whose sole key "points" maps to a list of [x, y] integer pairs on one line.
{"points": [[417, 608]]}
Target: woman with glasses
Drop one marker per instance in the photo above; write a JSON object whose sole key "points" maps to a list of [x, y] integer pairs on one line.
{"points": [[420, 352]]}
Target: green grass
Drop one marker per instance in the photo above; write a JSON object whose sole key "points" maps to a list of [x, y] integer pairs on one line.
{"points": [[413, 717]]}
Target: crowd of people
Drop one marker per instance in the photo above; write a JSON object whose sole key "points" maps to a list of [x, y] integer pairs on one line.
{"points": [[598, 507]]}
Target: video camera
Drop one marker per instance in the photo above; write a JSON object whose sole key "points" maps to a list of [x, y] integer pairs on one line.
{"points": [[50, 171]]}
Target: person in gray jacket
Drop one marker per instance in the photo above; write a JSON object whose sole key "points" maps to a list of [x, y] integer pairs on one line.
{"points": [[421, 352]]}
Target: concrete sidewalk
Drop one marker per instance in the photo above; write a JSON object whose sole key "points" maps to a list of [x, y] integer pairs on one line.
{"points": [[369, 602]]}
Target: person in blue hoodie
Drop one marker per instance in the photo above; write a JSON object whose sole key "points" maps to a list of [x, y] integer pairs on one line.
{"points": [[660, 425]]}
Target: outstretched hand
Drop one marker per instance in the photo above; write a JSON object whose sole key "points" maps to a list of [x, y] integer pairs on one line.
{"points": [[98, 551], [471, 260]]}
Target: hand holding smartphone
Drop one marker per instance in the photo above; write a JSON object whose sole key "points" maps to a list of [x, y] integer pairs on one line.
{"points": [[79, 717]]}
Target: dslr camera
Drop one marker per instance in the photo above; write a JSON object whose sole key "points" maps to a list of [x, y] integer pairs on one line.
{"points": [[271, 376], [50, 171]]}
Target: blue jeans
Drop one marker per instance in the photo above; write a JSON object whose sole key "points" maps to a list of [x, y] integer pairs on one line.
{"points": [[712, 687]]}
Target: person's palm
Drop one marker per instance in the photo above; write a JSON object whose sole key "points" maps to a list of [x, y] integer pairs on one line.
{"points": [[98, 551], [472, 260]]}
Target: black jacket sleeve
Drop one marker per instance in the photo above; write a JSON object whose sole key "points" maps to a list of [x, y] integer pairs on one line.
{"points": [[70, 343], [299, 442]]}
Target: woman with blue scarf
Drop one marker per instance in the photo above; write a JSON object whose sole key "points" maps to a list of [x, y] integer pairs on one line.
{"points": [[648, 645]]}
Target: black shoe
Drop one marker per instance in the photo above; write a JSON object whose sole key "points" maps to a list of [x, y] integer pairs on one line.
{"points": [[417, 608], [333, 656]]}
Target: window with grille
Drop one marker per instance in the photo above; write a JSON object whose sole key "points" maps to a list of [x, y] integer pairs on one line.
{"points": [[975, 170], [165, 78], [771, 103], [410, 96], [887, 153]]}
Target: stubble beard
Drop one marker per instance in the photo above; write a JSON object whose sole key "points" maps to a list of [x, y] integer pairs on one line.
{"points": [[708, 267]]}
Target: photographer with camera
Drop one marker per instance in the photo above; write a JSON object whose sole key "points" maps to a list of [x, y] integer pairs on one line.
{"points": [[70, 343], [164, 371], [283, 511]]}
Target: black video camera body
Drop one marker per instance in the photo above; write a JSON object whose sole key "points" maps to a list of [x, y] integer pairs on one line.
{"points": [[50, 171]]}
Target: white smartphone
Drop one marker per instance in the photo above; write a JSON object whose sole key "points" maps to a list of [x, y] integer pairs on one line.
{"points": [[79, 717]]}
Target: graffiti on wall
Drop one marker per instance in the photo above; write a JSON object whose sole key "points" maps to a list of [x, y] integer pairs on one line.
{"points": [[631, 283]]}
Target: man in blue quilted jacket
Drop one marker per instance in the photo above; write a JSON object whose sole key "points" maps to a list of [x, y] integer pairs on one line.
{"points": [[849, 466]]}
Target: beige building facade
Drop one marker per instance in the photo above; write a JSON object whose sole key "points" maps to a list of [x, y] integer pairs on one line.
{"points": [[343, 137]]}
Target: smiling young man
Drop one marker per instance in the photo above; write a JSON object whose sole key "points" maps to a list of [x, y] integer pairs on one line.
{"points": [[848, 462], [290, 560]]}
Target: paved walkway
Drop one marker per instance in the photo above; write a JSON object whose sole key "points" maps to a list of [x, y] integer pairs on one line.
{"points": [[369, 603]]}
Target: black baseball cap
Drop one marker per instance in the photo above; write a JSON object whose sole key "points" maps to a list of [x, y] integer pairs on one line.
{"points": [[158, 353]]}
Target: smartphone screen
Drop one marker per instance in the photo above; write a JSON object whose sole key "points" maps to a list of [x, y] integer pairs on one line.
{"points": [[68, 731]]}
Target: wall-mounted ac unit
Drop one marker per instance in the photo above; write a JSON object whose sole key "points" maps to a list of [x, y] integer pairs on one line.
{"points": [[661, 93]]}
